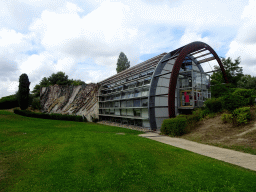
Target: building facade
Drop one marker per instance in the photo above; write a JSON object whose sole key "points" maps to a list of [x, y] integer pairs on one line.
{"points": [[143, 95], [159, 88]]}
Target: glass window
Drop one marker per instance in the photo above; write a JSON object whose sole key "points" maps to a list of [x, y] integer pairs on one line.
{"points": [[125, 86], [144, 92], [123, 112], [137, 112], [147, 81], [106, 111], [122, 95], [123, 103], [132, 85], [117, 104], [129, 112], [129, 103], [144, 102], [139, 83], [112, 111], [136, 103], [137, 93]]}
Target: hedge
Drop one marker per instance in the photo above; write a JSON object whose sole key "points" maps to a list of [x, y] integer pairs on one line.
{"points": [[9, 102], [174, 126]]}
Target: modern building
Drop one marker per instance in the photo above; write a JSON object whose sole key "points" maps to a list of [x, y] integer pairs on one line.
{"points": [[159, 88]]}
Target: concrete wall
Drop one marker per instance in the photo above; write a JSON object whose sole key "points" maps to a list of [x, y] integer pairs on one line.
{"points": [[76, 100]]}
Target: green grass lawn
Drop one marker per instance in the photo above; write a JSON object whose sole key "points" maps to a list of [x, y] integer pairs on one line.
{"points": [[50, 155]]}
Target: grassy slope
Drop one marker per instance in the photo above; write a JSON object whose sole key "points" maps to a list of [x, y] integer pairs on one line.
{"points": [[50, 155], [214, 132]]}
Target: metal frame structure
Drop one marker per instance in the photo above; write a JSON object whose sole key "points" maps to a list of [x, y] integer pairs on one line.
{"points": [[123, 92]]}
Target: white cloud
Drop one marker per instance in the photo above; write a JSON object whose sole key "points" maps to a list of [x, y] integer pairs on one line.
{"points": [[244, 45], [41, 37]]}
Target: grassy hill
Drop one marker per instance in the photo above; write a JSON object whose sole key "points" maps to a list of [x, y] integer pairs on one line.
{"points": [[51, 155]]}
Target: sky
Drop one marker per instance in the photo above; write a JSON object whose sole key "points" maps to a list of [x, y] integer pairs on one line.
{"points": [[84, 38]]}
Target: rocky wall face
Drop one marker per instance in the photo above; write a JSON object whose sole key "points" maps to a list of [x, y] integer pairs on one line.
{"points": [[76, 100]]}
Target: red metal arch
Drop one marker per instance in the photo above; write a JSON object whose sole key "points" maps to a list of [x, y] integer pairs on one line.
{"points": [[176, 68]]}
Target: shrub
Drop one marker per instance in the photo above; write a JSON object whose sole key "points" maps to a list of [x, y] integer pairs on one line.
{"points": [[241, 115], [174, 126], [9, 102], [226, 118], [233, 101], [213, 105], [247, 94], [220, 90], [36, 103]]}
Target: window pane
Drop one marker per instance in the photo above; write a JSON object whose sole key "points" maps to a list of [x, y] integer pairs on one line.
{"points": [[144, 102], [137, 112], [136, 103], [129, 103]]}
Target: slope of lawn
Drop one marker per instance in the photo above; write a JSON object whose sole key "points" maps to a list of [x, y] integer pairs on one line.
{"points": [[51, 155]]}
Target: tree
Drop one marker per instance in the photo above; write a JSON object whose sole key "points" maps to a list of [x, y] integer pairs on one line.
{"points": [[23, 93], [56, 78], [233, 71], [77, 82], [122, 63], [247, 82], [59, 78]]}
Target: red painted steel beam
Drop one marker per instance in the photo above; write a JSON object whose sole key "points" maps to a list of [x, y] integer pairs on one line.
{"points": [[192, 47]]}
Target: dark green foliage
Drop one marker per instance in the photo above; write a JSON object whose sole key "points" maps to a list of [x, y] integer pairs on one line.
{"points": [[23, 93], [54, 116], [36, 103], [231, 102], [214, 105], [219, 90], [247, 94], [174, 126], [122, 63], [9, 102], [58, 78], [241, 115]]}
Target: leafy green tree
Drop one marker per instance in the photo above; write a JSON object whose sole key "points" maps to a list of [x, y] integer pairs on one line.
{"points": [[122, 63], [23, 93], [59, 78], [233, 71], [247, 82]]}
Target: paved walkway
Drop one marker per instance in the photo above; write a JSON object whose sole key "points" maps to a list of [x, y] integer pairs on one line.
{"points": [[241, 159]]}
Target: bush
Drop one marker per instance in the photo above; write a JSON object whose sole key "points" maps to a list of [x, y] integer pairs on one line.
{"points": [[36, 103], [54, 116], [226, 118], [247, 94], [233, 101], [9, 102], [220, 90], [241, 115], [213, 105], [174, 126]]}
